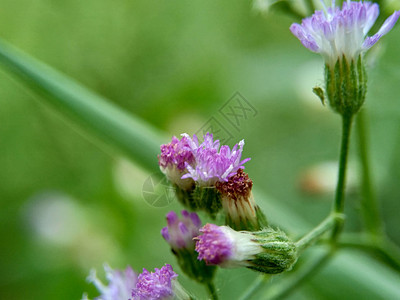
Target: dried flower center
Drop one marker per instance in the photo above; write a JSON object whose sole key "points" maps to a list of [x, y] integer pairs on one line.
{"points": [[237, 187]]}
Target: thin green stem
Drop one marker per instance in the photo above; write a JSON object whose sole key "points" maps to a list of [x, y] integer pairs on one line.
{"points": [[311, 237], [212, 291], [283, 287], [369, 204], [381, 248], [338, 206], [253, 287]]}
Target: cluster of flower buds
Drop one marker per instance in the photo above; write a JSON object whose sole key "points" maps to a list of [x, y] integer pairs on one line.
{"points": [[269, 251], [180, 234], [194, 168], [210, 177], [162, 284], [339, 35]]}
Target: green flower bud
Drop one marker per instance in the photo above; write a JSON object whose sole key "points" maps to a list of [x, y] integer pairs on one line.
{"points": [[346, 85], [279, 253], [241, 211], [268, 251]]}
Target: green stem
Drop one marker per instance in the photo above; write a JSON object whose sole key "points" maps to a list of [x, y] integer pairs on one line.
{"points": [[283, 287], [318, 231], [382, 248], [253, 287], [106, 122], [369, 202], [338, 206], [211, 290]]}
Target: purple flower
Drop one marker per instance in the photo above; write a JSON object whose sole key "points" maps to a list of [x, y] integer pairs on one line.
{"points": [[173, 160], [212, 162], [334, 32], [268, 250], [120, 283], [155, 285], [214, 246], [180, 233], [176, 154]]}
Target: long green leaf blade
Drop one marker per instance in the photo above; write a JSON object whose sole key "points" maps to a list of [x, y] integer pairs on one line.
{"points": [[110, 124]]}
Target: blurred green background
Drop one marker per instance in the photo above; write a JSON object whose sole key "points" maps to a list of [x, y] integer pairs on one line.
{"points": [[69, 204]]}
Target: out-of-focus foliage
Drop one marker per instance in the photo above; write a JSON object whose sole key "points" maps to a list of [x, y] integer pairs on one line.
{"points": [[69, 205]]}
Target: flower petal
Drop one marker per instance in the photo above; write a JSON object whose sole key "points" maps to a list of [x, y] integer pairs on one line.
{"points": [[386, 27]]}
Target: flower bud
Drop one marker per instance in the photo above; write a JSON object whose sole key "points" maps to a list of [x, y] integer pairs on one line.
{"points": [[179, 234], [241, 211], [173, 160], [268, 251], [346, 85]]}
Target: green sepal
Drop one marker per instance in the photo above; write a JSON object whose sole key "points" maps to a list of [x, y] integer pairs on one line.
{"points": [[345, 85], [243, 223], [320, 93], [192, 267], [279, 252], [207, 199], [185, 197]]}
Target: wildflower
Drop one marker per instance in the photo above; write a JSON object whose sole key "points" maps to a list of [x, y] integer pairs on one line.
{"points": [[339, 35], [268, 251], [173, 160], [242, 213], [158, 285], [213, 163], [194, 168], [179, 234], [120, 283], [335, 32]]}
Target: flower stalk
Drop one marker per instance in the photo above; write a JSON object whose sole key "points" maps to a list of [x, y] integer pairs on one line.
{"points": [[338, 206], [318, 231]]}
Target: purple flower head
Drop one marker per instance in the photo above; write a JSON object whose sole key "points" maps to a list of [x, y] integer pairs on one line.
{"points": [[179, 233], [157, 285], [334, 32], [223, 246], [173, 160], [120, 283], [212, 162], [176, 154], [214, 246]]}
